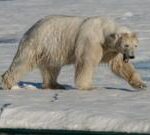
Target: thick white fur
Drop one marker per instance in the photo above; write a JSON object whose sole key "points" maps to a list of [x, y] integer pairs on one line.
{"points": [[56, 41]]}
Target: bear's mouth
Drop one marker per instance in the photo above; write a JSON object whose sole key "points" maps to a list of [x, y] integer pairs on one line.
{"points": [[125, 58]]}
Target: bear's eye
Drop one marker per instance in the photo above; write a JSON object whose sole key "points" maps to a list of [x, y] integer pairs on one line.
{"points": [[126, 46]]}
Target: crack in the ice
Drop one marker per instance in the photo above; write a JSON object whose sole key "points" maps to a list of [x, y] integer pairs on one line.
{"points": [[6, 41], [55, 97], [4, 106]]}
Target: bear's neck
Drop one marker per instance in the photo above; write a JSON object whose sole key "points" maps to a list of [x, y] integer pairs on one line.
{"points": [[108, 54]]}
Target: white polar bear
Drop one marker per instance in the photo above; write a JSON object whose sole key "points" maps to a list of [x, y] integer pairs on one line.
{"points": [[86, 42]]}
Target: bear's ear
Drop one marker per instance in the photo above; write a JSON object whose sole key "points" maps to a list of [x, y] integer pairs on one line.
{"points": [[134, 35], [114, 36], [112, 39]]}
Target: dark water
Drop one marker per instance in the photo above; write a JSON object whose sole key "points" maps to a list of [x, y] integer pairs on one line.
{"points": [[143, 65], [59, 132]]}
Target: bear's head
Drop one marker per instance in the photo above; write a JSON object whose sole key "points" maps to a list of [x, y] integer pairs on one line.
{"points": [[125, 43]]}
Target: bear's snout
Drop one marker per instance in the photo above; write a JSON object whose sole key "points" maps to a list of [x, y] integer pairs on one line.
{"points": [[131, 54], [132, 57]]}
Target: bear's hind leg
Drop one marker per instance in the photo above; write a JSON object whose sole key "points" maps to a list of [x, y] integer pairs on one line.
{"points": [[50, 75], [18, 68]]}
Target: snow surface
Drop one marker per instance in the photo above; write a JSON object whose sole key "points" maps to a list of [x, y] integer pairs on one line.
{"points": [[112, 106]]}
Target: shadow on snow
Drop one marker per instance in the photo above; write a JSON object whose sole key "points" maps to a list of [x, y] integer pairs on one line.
{"points": [[23, 84]]}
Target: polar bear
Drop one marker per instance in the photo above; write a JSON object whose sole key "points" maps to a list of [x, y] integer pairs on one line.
{"points": [[55, 41]]}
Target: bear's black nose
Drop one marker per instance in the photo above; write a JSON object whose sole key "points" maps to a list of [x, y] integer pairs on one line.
{"points": [[132, 57]]}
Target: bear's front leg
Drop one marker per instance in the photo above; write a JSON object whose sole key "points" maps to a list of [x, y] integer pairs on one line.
{"points": [[85, 67], [83, 76], [136, 81], [127, 71], [88, 55]]}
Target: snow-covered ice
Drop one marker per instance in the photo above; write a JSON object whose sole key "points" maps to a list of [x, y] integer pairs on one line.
{"points": [[113, 106]]}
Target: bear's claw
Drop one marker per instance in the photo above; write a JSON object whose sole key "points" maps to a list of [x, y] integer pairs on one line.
{"points": [[143, 86], [140, 86]]}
